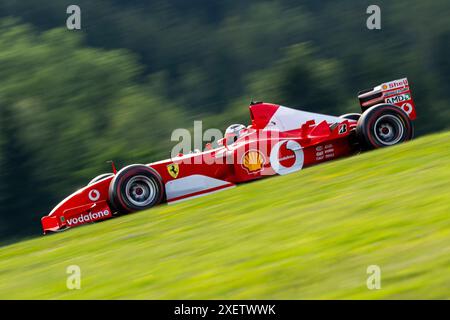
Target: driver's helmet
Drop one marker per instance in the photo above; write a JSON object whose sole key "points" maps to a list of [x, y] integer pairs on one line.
{"points": [[233, 132]]}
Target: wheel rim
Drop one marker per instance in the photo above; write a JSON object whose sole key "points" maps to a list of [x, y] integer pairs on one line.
{"points": [[141, 191], [388, 129]]}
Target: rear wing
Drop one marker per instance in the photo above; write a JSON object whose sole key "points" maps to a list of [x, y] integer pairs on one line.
{"points": [[395, 92]]}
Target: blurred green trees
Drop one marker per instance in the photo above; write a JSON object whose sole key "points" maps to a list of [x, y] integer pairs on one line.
{"points": [[65, 110], [300, 79], [70, 100]]}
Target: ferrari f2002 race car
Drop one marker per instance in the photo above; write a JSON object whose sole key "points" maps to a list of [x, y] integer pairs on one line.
{"points": [[278, 141]]}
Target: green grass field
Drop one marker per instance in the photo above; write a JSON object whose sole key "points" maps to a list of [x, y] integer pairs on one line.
{"points": [[309, 235]]}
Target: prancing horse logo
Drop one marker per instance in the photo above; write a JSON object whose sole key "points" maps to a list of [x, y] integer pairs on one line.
{"points": [[173, 170]]}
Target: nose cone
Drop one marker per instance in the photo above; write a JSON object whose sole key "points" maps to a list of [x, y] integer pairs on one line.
{"points": [[50, 224], [80, 202]]}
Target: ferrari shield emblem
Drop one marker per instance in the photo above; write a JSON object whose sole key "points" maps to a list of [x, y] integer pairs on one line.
{"points": [[173, 170]]}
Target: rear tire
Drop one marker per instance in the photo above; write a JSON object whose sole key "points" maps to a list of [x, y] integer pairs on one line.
{"points": [[136, 187], [384, 125]]}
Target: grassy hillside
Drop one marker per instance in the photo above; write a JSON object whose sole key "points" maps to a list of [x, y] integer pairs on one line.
{"points": [[311, 234]]}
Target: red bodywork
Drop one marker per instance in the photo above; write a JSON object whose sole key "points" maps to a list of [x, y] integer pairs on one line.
{"points": [[279, 140]]}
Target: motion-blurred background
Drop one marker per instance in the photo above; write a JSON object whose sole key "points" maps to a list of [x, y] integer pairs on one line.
{"points": [[70, 100]]}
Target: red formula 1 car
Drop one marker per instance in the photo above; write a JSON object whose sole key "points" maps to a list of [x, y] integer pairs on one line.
{"points": [[279, 140]]}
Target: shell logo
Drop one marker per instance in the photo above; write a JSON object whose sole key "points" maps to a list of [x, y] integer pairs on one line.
{"points": [[253, 161]]}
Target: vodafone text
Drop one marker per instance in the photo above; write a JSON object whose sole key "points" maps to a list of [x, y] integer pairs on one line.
{"points": [[91, 216]]}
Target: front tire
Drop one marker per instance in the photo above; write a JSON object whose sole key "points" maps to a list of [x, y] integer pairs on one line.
{"points": [[384, 125], [136, 187]]}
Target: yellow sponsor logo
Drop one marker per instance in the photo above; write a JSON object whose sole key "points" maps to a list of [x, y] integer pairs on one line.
{"points": [[173, 170], [253, 161]]}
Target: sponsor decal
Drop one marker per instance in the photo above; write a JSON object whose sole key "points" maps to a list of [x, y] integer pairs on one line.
{"points": [[173, 169], [395, 84], [342, 128], [252, 161], [325, 154], [286, 157], [399, 98], [395, 92], [94, 195], [88, 217], [407, 107]]}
